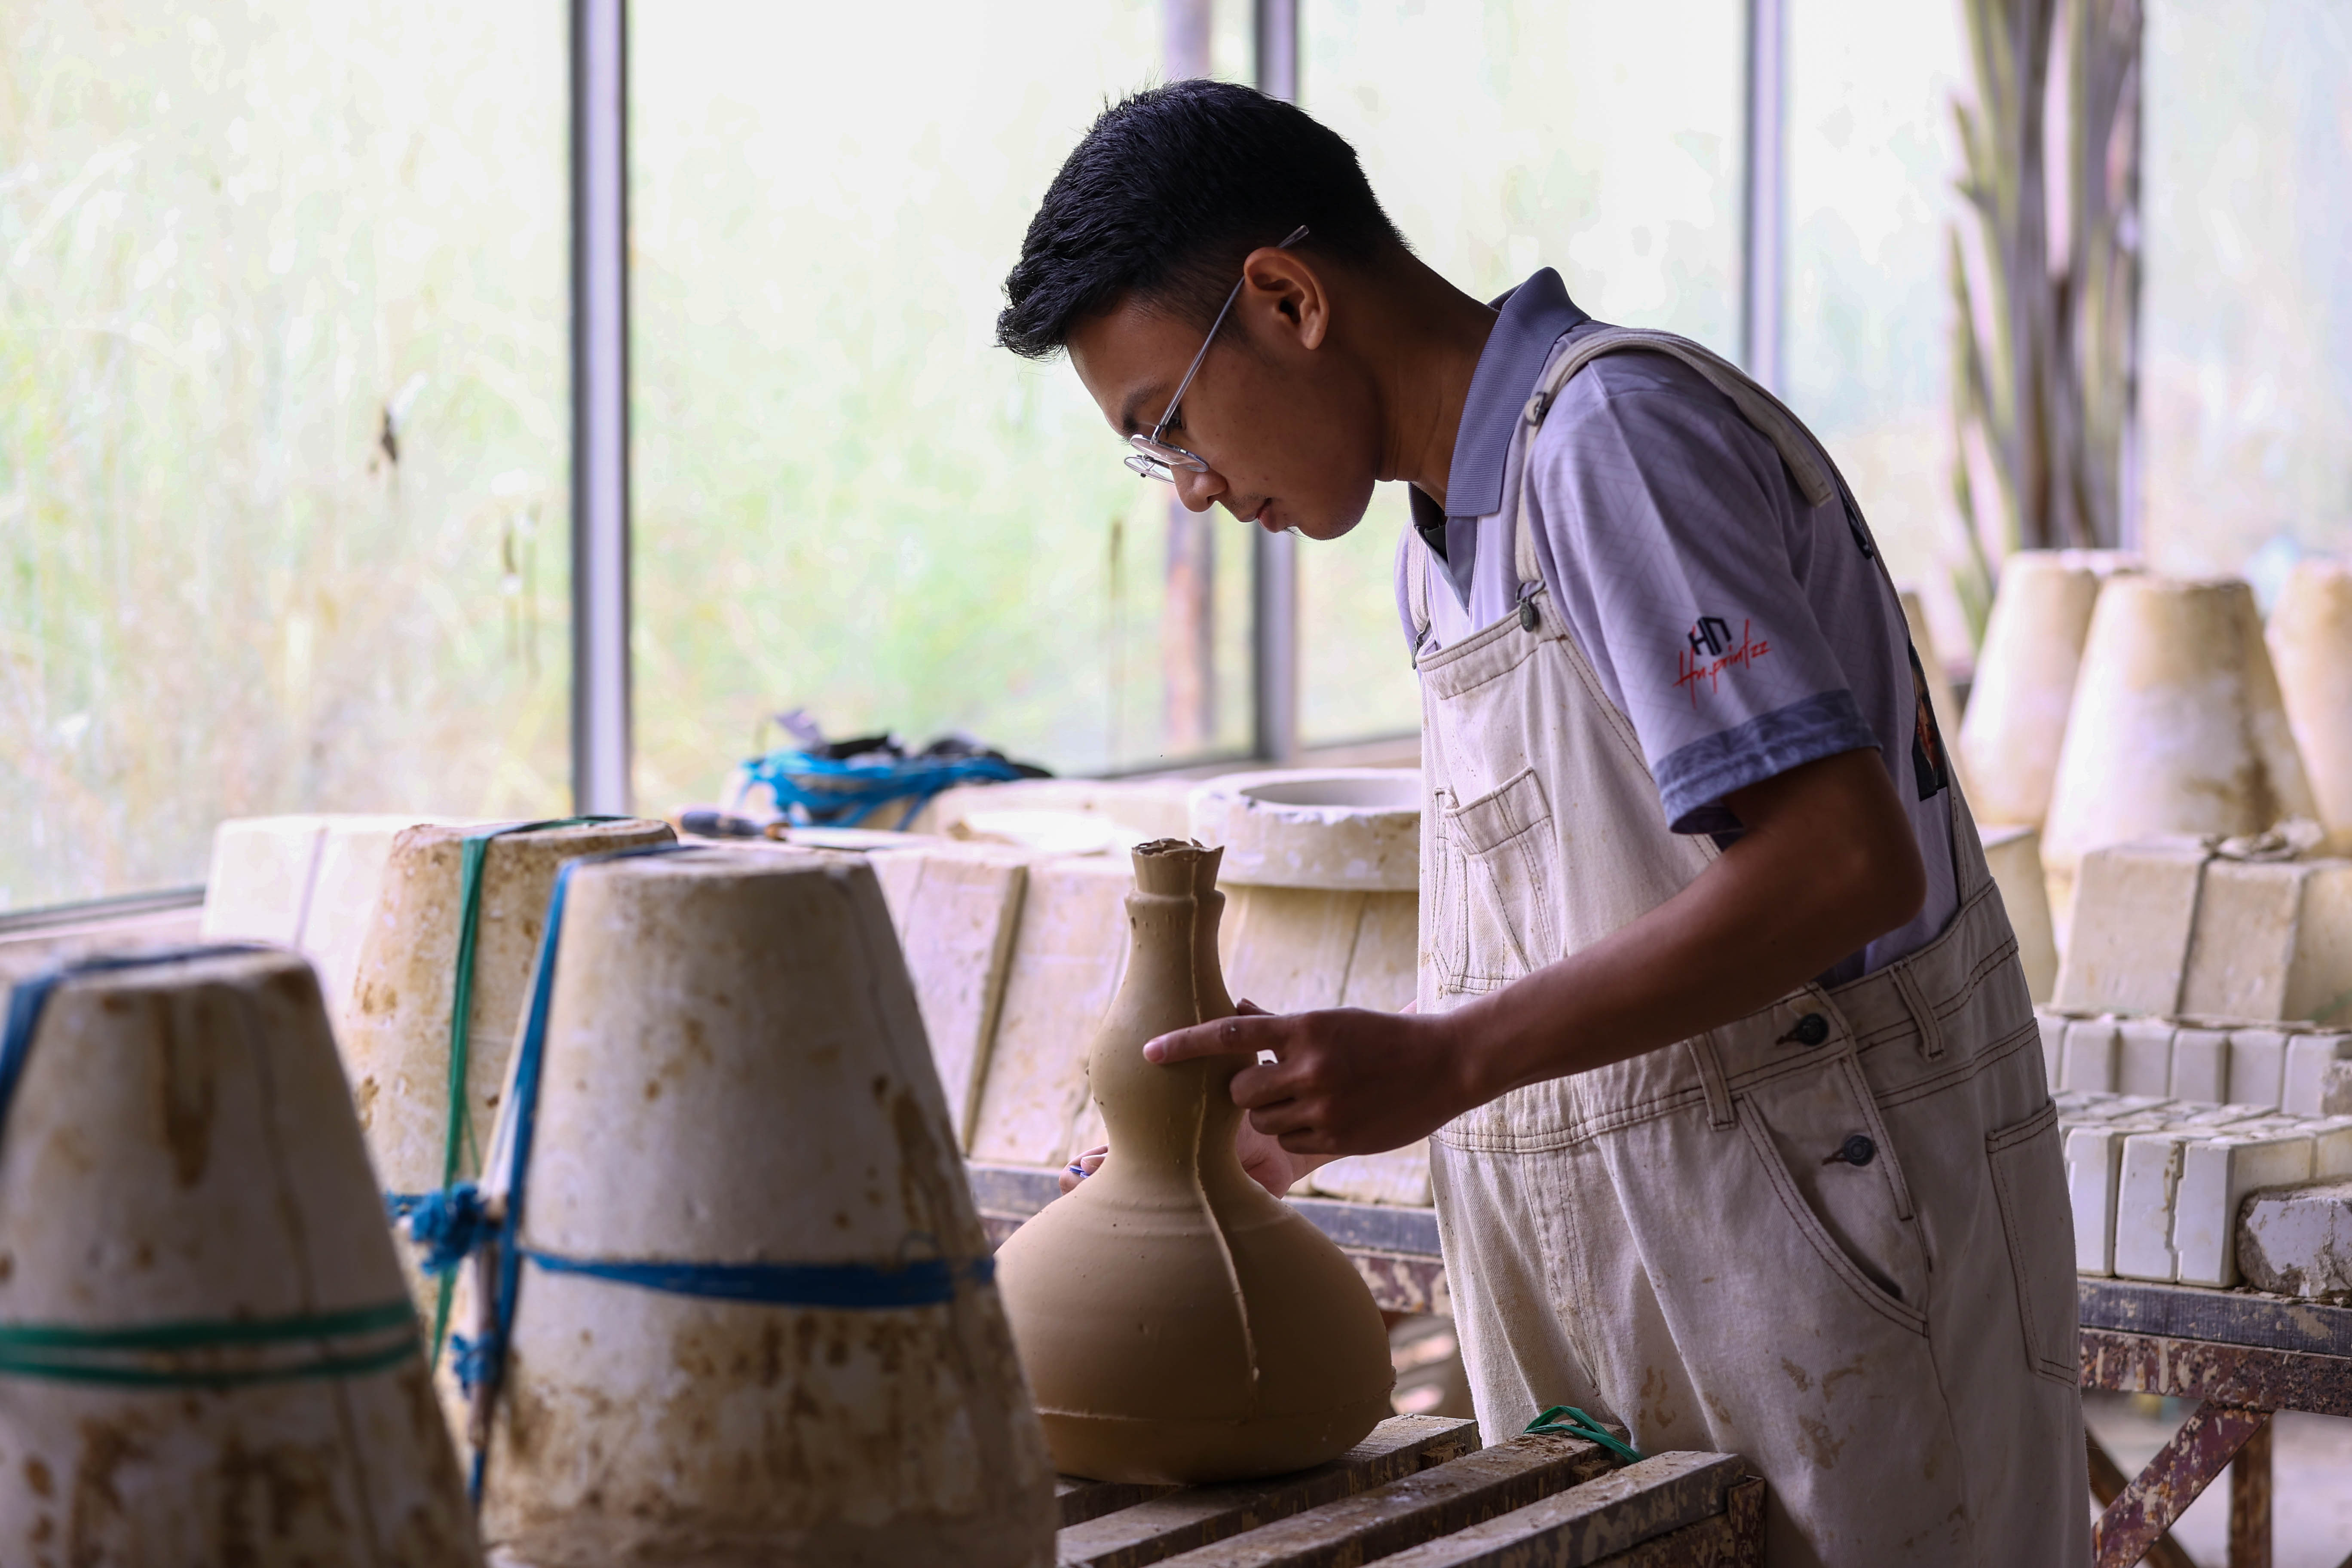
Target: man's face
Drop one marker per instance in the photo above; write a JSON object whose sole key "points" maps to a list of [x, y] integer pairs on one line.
{"points": [[1291, 440]]}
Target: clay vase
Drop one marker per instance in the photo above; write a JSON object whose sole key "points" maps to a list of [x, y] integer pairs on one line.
{"points": [[2311, 644], [395, 1032], [2176, 727], [755, 1328], [1178, 1324], [2024, 688], [206, 1354]]}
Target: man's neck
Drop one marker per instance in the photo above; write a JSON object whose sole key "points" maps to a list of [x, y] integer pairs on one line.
{"points": [[1432, 336]]}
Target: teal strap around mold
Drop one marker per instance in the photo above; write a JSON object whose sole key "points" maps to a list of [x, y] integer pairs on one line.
{"points": [[127, 1357]]}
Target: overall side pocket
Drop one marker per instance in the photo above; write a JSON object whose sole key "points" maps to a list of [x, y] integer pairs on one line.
{"points": [[2028, 1180]]}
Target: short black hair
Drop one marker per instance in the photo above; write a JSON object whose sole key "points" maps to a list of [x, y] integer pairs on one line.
{"points": [[1166, 193]]}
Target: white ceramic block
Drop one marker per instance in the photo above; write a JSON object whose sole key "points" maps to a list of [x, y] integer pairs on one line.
{"points": [[2094, 1154], [2308, 1058], [2054, 1041], [2216, 1175], [2090, 1054], [2145, 1187], [2331, 1146], [2257, 1066], [2200, 1065], [2013, 855], [2143, 1056], [955, 907], [2217, 1116]]}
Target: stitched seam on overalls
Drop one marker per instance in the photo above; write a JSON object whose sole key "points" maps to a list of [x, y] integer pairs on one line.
{"points": [[1957, 1001], [1967, 1067]]}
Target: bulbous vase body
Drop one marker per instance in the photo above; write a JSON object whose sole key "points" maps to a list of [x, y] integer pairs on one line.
{"points": [[1176, 1322]]}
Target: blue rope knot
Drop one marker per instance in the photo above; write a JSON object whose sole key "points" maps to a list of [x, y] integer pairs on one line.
{"points": [[449, 1223], [472, 1358]]}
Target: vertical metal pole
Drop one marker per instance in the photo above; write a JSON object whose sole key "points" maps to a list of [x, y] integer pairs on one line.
{"points": [[1274, 579], [600, 408], [1764, 209], [1188, 616]]}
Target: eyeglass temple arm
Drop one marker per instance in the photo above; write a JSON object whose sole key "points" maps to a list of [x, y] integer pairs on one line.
{"points": [[1193, 370]]}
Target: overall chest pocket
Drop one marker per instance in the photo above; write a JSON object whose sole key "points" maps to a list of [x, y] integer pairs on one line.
{"points": [[1497, 876]]}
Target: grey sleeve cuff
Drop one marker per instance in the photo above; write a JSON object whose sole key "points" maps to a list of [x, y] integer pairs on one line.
{"points": [[1693, 781]]}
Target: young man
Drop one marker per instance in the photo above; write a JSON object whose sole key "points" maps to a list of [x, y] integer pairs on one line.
{"points": [[1737, 1124]]}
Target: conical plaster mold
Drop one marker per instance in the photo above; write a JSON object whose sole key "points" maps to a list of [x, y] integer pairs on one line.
{"points": [[755, 1328], [206, 1354], [2176, 727], [2311, 644], [397, 1035], [2025, 686], [1178, 1324]]}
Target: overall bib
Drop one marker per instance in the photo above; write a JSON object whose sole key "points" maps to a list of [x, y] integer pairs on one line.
{"points": [[1831, 1238]]}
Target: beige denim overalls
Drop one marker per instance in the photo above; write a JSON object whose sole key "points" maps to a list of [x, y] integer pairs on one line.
{"points": [[1686, 1242]]}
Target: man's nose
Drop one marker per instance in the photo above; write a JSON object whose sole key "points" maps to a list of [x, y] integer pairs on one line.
{"points": [[1198, 490]]}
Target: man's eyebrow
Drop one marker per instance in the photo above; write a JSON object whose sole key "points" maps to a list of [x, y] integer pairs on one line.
{"points": [[1127, 412]]}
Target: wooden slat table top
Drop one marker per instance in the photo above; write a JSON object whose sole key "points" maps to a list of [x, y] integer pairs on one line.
{"points": [[1166, 1520], [1601, 1519]]}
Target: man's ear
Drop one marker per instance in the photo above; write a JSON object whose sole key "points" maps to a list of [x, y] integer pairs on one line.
{"points": [[1289, 290]]}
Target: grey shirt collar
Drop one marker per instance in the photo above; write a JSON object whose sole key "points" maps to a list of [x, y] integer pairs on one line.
{"points": [[1534, 315]]}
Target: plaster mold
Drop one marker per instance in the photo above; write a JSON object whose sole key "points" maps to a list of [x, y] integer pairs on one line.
{"points": [[956, 908], [2010, 738], [2310, 1058], [1324, 868], [1177, 1324], [2311, 644], [2013, 853], [2200, 1065], [2138, 904], [181, 1150], [1069, 950], [396, 1035], [735, 1074], [2176, 727], [1339, 829]]}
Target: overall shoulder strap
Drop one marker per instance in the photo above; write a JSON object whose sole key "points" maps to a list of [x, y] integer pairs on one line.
{"points": [[1817, 478]]}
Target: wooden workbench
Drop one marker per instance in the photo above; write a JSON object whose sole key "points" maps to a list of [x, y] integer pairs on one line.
{"points": [[2243, 1355]]}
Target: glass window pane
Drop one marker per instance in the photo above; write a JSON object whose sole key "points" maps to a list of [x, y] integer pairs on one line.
{"points": [[846, 497], [1503, 135], [2246, 381], [1872, 160], [282, 440]]}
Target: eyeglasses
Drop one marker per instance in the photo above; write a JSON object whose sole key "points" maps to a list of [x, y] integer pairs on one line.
{"points": [[1154, 458]]}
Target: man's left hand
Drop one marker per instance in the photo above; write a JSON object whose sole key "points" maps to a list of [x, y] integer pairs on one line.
{"points": [[1344, 1081]]}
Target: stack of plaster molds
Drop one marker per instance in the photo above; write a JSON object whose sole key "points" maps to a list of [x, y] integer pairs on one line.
{"points": [[1321, 873], [2157, 1185], [2311, 644], [2241, 930], [2024, 688], [304, 883], [2176, 726]]}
